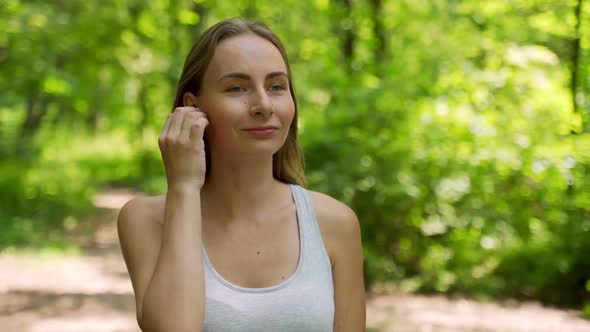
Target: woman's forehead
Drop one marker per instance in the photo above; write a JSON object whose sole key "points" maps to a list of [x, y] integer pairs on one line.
{"points": [[248, 54]]}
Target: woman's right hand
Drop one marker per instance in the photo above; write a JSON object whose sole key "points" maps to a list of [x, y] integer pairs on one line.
{"points": [[182, 147]]}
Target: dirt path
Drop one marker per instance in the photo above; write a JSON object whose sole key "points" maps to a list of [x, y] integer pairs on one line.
{"points": [[91, 292]]}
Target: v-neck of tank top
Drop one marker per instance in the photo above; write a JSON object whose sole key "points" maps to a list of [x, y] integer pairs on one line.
{"points": [[282, 284]]}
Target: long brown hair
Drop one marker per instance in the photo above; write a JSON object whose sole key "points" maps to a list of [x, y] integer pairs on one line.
{"points": [[287, 163]]}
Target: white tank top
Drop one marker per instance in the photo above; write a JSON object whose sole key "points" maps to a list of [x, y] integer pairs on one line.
{"points": [[304, 302]]}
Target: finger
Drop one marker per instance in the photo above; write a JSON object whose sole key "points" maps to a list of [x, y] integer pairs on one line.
{"points": [[187, 123], [197, 129], [199, 112], [176, 122], [186, 108], [191, 109], [189, 119], [162, 137]]}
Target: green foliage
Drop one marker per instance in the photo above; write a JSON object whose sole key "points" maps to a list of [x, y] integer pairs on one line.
{"points": [[448, 126]]}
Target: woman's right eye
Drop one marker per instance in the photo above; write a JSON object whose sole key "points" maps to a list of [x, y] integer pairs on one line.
{"points": [[236, 88]]}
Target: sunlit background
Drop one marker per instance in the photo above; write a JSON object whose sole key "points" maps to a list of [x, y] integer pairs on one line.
{"points": [[458, 130]]}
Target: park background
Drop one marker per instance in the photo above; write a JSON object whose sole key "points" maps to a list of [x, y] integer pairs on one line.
{"points": [[458, 130]]}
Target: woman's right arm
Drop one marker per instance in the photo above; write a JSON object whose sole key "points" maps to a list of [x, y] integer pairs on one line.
{"points": [[165, 261]]}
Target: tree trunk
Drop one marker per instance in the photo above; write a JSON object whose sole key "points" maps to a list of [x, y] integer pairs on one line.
{"points": [[379, 32], [36, 109], [576, 56], [347, 28]]}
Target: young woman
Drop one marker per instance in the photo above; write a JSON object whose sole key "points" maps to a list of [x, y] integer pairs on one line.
{"points": [[236, 243]]}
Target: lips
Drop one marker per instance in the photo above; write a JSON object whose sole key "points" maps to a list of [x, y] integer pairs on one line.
{"points": [[262, 128], [262, 131]]}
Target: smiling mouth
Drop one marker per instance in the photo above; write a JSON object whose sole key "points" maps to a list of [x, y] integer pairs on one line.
{"points": [[262, 128], [266, 132]]}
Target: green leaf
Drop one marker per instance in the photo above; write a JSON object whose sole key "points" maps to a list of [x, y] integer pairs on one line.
{"points": [[56, 86], [188, 17]]}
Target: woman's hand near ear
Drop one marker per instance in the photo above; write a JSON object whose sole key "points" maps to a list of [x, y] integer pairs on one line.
{"points": [[182, 147]]}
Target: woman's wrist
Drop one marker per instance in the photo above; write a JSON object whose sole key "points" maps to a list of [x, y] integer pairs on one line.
{"points": [[184, 189]]}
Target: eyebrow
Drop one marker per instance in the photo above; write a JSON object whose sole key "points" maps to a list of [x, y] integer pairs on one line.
{"points": [[245, 76]]}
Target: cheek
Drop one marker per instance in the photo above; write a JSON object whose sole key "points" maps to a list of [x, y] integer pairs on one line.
{"points": [[289, 112], [219, 114], [216, 121], [218, 128], [223, 121]]}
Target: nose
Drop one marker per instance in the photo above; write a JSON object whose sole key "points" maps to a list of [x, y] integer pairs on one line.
{"points": [[261, 104]]}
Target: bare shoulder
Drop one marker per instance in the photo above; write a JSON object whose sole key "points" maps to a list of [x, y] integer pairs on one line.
{"points": [[338, 223], [139, 224], [139, 227], [332, 211], [143, 211]]}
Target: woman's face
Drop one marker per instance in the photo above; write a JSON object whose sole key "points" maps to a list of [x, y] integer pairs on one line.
{"points": [[246, 86]]}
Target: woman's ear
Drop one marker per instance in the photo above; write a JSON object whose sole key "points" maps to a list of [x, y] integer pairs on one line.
{"points": [[189, 99]]}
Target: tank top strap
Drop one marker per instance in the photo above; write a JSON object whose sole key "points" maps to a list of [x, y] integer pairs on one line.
{"points": [[314, 251], [305, 212]]}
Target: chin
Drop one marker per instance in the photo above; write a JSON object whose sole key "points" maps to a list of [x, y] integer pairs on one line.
{"points": [[263, 150], [270, 151]]}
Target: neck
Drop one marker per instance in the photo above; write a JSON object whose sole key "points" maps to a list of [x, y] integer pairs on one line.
{"points": [[240, 190]]}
